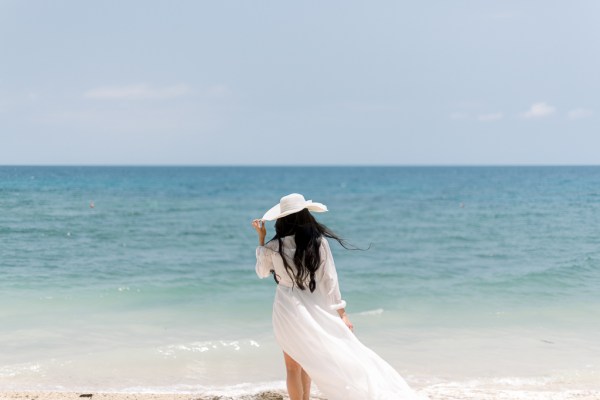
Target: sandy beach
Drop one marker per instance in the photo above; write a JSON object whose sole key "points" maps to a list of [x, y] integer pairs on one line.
{"points": [[431, 393], [127, 396], [131, 396]]}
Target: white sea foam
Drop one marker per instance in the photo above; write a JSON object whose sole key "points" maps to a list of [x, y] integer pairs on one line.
{"points": [[557, 387], [240, 389], [9, 371], [377, 311], [500, 394], [208, 345]]}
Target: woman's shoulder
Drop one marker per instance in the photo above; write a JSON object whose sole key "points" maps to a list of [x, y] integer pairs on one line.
{"points": [[287, 241], [272, 245], [324, 242]]}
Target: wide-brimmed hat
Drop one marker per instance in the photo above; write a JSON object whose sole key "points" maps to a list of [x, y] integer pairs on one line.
{"points": [[290, 204]]}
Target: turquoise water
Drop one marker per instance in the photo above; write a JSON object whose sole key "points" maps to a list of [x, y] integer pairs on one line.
{"points": [[125, 277]]}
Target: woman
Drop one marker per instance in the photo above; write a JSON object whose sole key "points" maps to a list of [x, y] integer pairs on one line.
{"points": [[309, 318]]}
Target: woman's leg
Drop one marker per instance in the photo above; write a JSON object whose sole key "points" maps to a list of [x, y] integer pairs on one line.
{"points": [[305, 385], [294, 378]]}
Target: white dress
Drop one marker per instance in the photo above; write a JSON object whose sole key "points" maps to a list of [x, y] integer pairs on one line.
{"points": [[309, 329]]}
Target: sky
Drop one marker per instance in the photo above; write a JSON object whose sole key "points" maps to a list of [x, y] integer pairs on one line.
{"points": [[481, 82]]}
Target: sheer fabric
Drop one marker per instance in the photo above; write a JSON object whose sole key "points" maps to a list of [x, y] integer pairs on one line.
{"points": [[309, 329]]}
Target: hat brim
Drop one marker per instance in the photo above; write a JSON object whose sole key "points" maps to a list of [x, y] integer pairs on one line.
{"points": [[275, 211]]}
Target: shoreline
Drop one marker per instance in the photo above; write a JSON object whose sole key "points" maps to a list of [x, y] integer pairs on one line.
{"points": [[52, 395], [93, 395], [431, 393]]}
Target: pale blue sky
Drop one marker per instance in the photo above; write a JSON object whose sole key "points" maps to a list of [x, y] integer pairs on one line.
{"points": [[305, 82]]}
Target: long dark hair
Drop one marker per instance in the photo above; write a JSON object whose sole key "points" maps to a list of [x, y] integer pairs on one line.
{"points": [[307, 233]]}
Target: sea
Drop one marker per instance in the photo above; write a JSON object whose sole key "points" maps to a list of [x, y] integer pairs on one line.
{"points": [[141, 279]]}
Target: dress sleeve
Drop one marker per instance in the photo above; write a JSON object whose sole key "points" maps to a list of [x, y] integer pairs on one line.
{"points": [[264, 262], [330, 278]]}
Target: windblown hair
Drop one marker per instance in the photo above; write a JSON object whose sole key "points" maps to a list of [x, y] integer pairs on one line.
{"points": [[307, 233]]}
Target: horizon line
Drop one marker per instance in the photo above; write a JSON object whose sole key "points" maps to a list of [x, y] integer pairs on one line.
{"points": [[299, 165]]}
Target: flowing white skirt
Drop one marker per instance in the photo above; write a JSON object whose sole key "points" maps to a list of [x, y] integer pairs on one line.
{"points": [[338, 363]]}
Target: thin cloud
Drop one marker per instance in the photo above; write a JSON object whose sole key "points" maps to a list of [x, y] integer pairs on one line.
{"points": [[539, 110], [137, 92], [579, 113], [490, 117]]}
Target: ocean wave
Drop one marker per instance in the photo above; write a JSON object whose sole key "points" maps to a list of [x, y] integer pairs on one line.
{"points": [[377, 311], [566, 386], [564, 278], [235, 390], [207, 346], [10, 371]]}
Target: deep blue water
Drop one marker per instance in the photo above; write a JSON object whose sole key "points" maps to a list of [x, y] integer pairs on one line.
{"points": [[444, 235]]}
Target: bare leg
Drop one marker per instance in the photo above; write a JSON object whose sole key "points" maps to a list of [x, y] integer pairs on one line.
{"points": [[294, 378], [306, 385]]}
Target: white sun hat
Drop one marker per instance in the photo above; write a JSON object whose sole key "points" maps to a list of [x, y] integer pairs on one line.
{"points": [[290, 204]]}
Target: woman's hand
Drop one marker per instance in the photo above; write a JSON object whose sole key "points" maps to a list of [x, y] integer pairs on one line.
{"points": [[344, 317], [348, 322], [261, 229]]}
